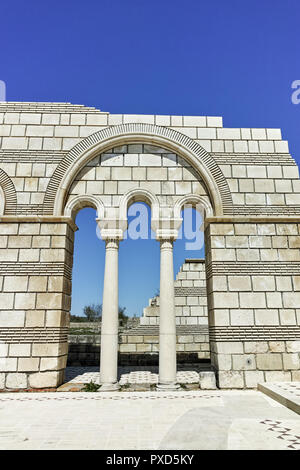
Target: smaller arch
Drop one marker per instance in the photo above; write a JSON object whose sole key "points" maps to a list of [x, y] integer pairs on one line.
{"points": [[193, 199], [82, 201], [139, 195], [2, 201]]}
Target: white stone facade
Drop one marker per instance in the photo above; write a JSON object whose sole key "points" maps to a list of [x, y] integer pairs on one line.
{"points": [[56, 158]]}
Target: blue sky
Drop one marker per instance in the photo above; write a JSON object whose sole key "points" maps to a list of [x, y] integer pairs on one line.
{"points": [[235, 59]]}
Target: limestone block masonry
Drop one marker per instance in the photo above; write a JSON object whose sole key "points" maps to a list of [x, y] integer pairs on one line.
{"points": [[56, 158]]}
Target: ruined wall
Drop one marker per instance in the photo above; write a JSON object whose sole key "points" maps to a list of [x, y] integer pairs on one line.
{"points": [[190, 297]]}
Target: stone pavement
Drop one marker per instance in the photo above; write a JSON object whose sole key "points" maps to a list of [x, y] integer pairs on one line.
{"points": [[134, 375], [147, 420]]}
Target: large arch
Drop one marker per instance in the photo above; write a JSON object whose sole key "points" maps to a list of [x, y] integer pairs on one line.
{"points": [[114, 136], [8, 195]]}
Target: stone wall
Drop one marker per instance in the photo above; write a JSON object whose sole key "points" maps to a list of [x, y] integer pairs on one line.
{"points": [[140, 347], [190, 297], [253, 297], [35, 301]]}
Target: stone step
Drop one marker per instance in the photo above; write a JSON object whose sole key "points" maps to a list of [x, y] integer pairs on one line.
{"points": [[286, 393]]}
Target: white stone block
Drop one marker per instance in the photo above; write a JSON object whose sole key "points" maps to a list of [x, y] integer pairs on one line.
{"points": [[3, 350], [206, 133], [214, 121], [271, 361], [217, 145], [253, 377], [240, 146], [30, 118], [150, 159], [45, 379], [11, 118], [281, 146], [230, 379], [273, 134], [131, 159], [138, 118], [207, 380], [40, 131], [115, 119], [162, 120], [256, 171], [266, 146], [111, 159], [194, 121], [230, 134], [8, 364], [16, 381], [14, 143], [266, 317], [50, 118]]}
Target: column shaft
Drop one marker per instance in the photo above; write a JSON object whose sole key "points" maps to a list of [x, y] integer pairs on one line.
{"points": [[110, 320], [167, 323]]}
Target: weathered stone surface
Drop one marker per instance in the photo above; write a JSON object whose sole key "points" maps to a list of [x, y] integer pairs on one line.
{"points": [[291, 361], [293, 346], [2, 380], [15, 381], [271, 361], [253, 377], [207, 380], [230, 379], [44, 379]]}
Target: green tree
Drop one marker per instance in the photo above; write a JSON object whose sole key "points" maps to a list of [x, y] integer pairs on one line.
{"points": [[93, 312]]}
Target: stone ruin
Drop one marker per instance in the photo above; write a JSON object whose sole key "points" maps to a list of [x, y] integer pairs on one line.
{"points": [[56, 158]]}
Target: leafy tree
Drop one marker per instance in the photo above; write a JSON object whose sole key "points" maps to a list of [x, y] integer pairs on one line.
{"points": [[93, 312], [123, 318]]}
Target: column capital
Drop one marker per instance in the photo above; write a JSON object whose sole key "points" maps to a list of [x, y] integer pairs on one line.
{"points": [[166, 229], [112, 229]]}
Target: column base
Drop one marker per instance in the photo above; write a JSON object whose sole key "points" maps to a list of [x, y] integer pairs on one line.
{"points": [[109, 387], [167, 387]]}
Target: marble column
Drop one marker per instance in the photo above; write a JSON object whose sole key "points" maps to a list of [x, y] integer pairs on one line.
{"points": [[167, 322], [110, 319]]}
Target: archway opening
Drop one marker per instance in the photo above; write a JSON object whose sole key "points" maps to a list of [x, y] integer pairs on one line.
{"points": [[87, 290], [139, 261], [191, 307]]}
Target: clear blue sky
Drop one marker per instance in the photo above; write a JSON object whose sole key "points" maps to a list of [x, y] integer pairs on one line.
{"points": [[235, 59]]}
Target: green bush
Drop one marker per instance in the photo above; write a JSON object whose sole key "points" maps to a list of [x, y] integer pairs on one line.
{"points": [[91, 387]]}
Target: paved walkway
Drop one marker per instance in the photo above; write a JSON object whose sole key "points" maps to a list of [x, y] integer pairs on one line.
{"points": [[146, 420]]}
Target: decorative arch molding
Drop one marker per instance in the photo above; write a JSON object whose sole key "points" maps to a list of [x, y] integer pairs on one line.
{"points": [[193, 199], [82, 201], [139, 195], [8, 193], [114, 136]]}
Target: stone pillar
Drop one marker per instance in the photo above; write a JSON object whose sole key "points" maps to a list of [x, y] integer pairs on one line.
{"points": [[35, 268], [167, 327], [110, 320]]}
